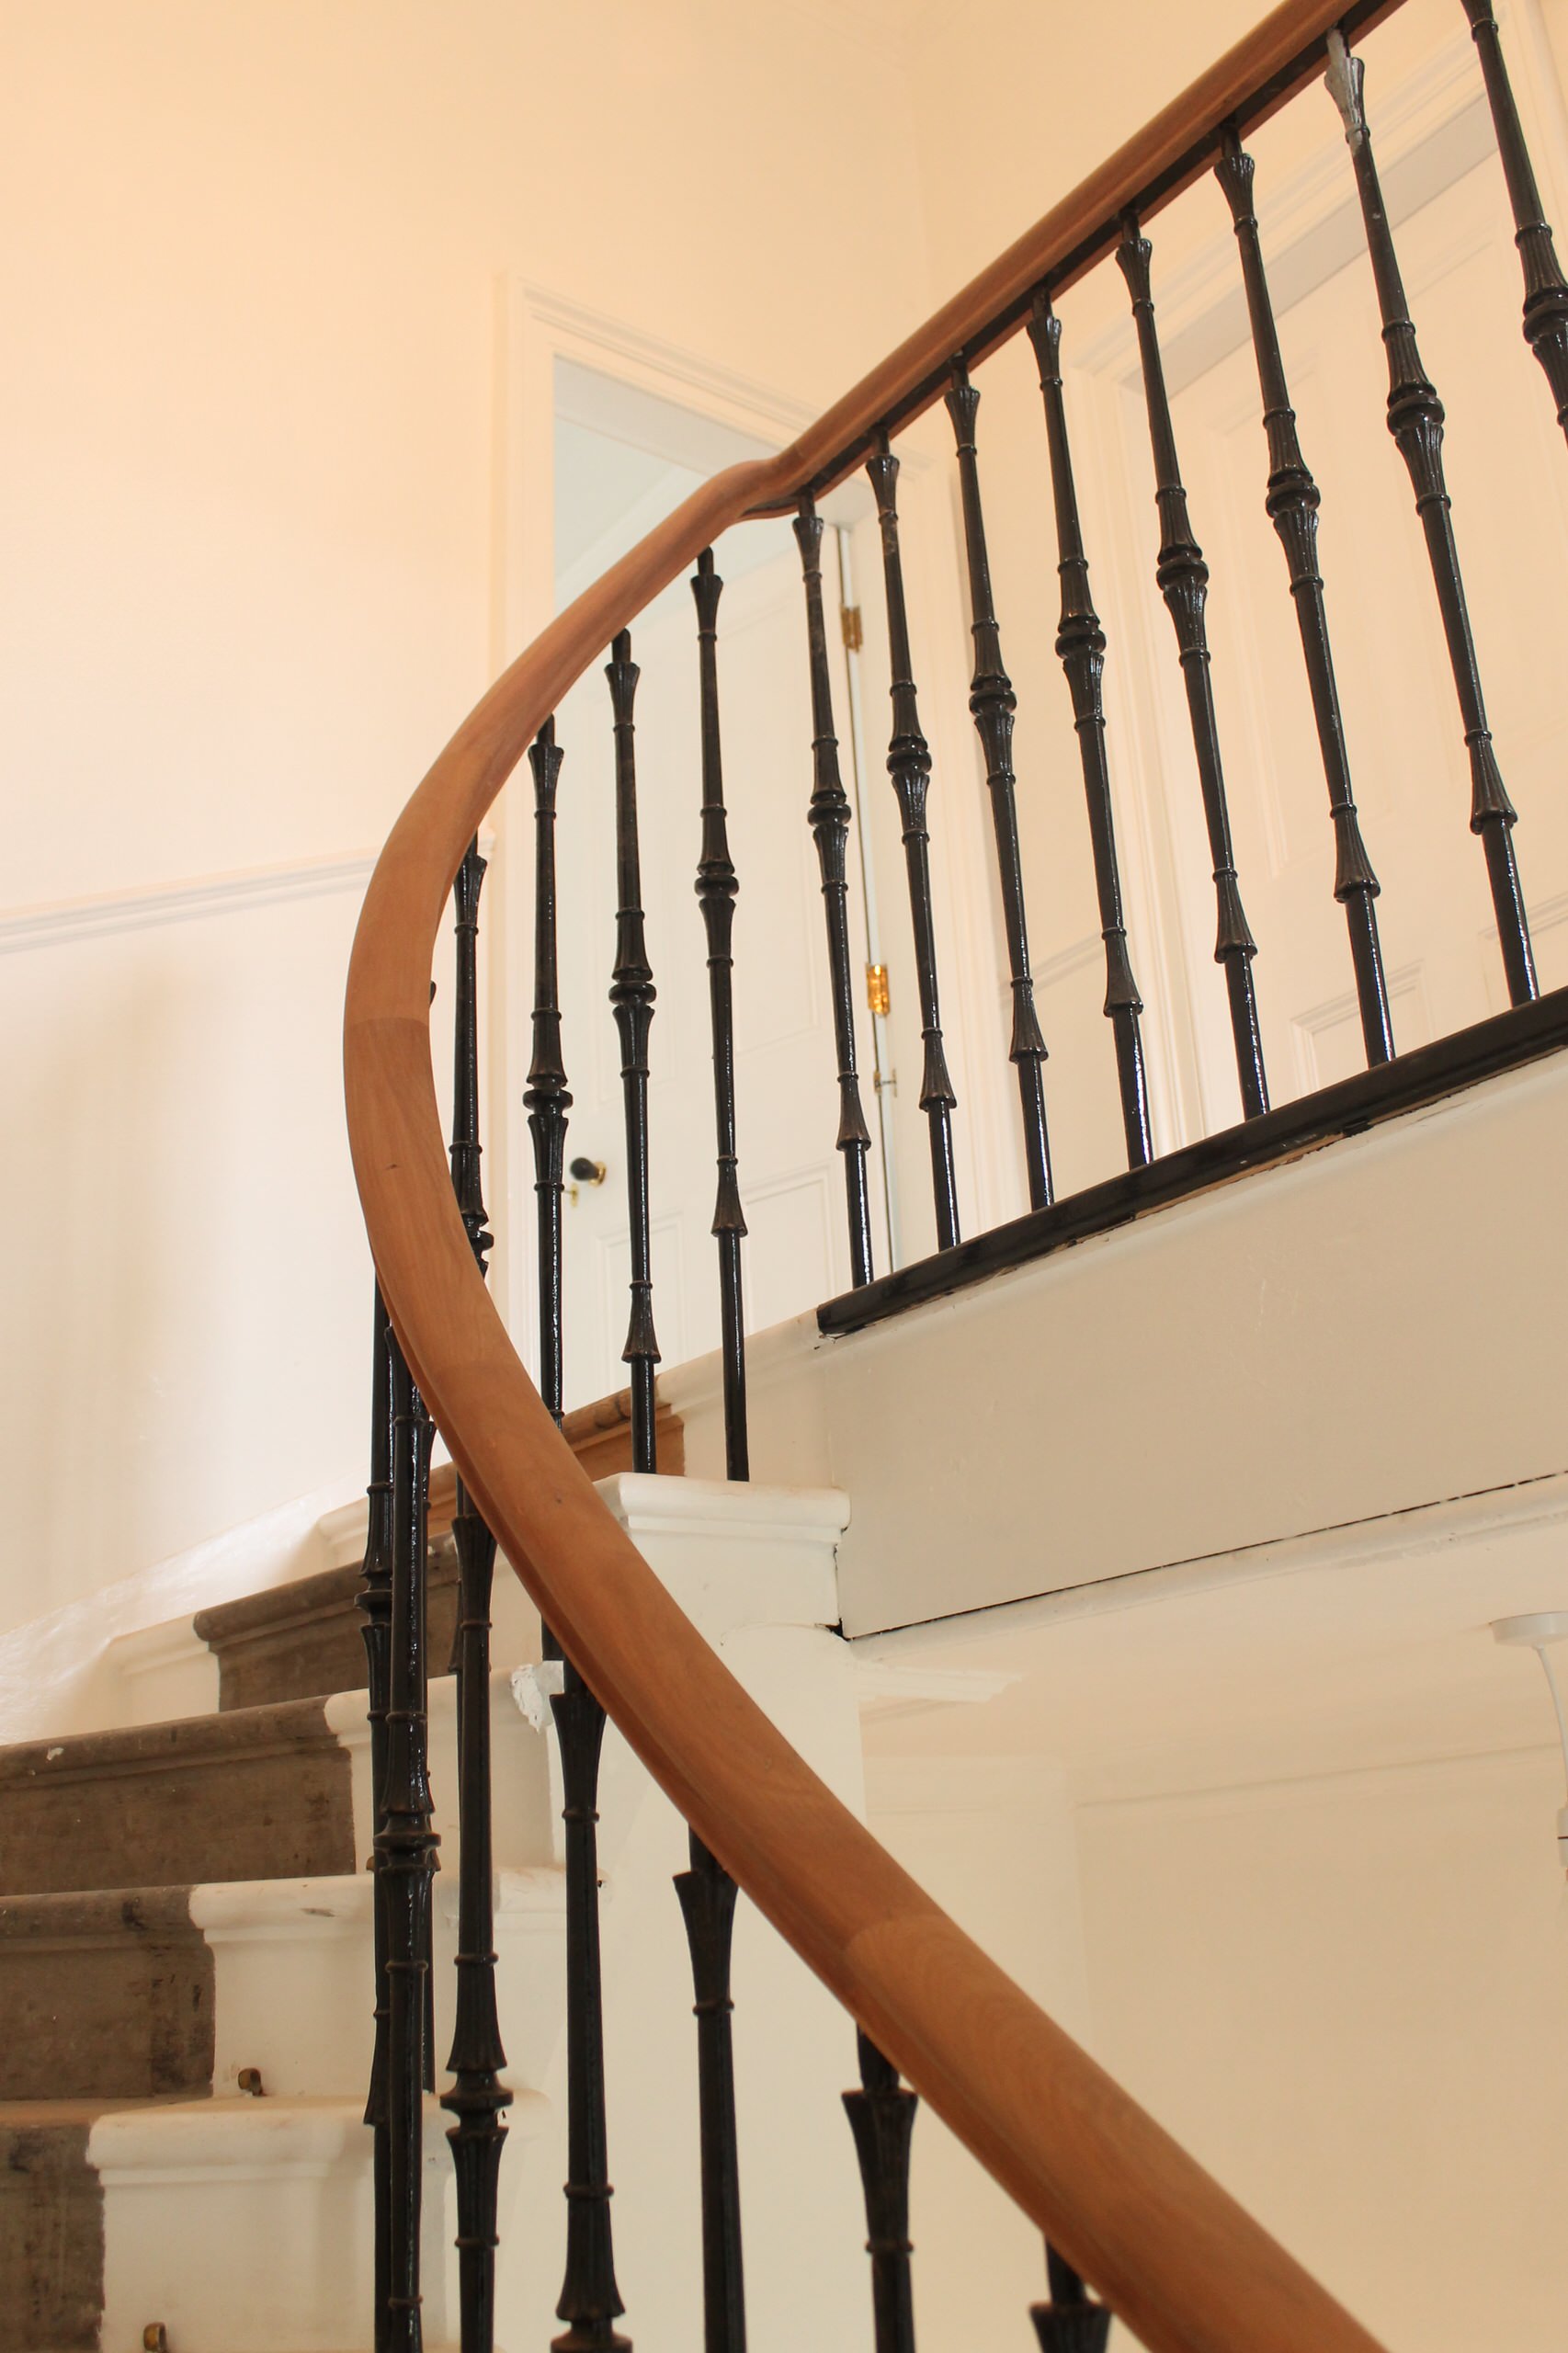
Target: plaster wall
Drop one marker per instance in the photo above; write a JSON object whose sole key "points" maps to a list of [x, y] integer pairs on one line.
{"points": [[256, 525]]}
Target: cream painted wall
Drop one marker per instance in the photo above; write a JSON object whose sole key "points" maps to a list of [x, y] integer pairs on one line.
{"points": [[249, 279]]}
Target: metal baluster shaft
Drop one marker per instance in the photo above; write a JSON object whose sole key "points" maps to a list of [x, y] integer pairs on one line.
{"points": [[1183, 579], [1546, 292], [707, 1893], [881, 2117], [590, 2300], [708, 1907], [407, 1844], [547, 1098], [716, 889], [1070, 2323], [1080, 647], [1293, 508], [909, 765], [1415, 421], [375, 1602], [477, 2097], [992, 703], [631, 995], [828, 814]]}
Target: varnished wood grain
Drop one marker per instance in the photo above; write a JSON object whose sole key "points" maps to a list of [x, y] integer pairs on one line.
{"points": [[1163, 2244]]}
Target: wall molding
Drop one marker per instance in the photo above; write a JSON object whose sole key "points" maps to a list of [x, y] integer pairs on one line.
{"points": [[58, 923]]}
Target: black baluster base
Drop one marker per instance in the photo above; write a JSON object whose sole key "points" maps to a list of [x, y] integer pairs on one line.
{"points": [[1069, 2322]]}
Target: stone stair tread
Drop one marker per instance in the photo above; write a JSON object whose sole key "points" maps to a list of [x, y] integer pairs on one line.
{"points": [[258, 1792]]}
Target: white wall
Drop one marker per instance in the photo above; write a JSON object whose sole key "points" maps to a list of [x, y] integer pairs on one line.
{"points": [[250, 400]]}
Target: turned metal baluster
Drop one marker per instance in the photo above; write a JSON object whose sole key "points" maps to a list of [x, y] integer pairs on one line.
{"points": [[716, 889], [1546, 292], [1070, 2323], [590, 2300], [406, 1845], [707, 1893], [1183, 579], [1293, 508], [1415, 421], [992, 703], [546, 1098], [828, 814], [708, 1905], [375, 1603], [477, 2097], [631, 995], [881, 2117], [1080, 646], [909, 764]]}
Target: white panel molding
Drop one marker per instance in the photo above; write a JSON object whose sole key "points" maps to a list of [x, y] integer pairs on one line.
{"points": [[61, 922], [1406, 981]]}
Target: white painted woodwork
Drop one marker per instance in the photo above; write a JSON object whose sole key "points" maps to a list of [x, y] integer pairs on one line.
{"points": [[1362, 1332]]}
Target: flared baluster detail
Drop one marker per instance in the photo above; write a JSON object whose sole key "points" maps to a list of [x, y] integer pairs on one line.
{"points": [[477, 2097], [992, 703], [708, 1905], [631, 995], [590, 2302], [1546, 292], [716, 891], [1183, 578], [406, 1845], [1293, 508], [828, 814], [1070, 2322], [1081, 648], [881, 2117], [375, 1603], [909, 764], [1415, 421]]}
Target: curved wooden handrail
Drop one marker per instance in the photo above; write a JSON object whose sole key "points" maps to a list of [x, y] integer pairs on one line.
{"points": [[1173, 2254]]}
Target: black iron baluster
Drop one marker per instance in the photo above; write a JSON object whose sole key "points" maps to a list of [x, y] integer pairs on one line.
{"points": [[1080, 646], [708, 1905], [1546, 292], [828, 814], [590, 2300], [909, 764], [631, 995], [547, 1100], [477, 2097], [375, 1603], [1183, 579], [1070, 2323], [1293, 508], [716, 889], [706, 1891], [881, 2117], [992, 704], [1415, 421], [407, 1844]]}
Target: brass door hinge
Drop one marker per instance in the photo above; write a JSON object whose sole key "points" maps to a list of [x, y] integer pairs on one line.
{"points": [[877, 987], [854, 635]]}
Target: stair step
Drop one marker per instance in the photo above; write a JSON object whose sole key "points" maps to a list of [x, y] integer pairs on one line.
{"points": [[51, 2228], [106, 1993], [258, 1793], [302, 1641]]}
